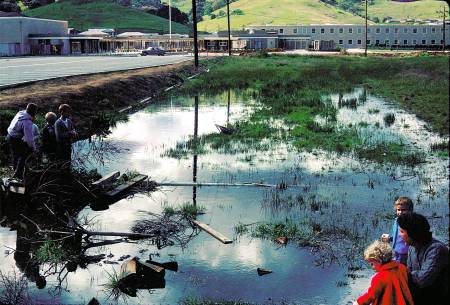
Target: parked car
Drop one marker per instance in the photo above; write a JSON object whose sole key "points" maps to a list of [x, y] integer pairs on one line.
{"points": [[153, 51]]}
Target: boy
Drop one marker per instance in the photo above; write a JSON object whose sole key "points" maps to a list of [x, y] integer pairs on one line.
{"points": [[20, 138], [390, 285], [65, 133], [402, 205], [49, 137]]}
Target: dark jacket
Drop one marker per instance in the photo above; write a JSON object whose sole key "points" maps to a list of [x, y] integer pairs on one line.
{"points": [[429, 269], [49, 140]]}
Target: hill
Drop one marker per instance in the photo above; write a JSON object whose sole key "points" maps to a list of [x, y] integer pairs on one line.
{"points": [[423, 9], [306, 11], [277, 12], [104, 14]]}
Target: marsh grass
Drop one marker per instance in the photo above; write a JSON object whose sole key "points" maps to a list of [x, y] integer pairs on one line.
{"points": [[50, 252], [113, 287], [291, 89], [14, 288], [186, 208]]}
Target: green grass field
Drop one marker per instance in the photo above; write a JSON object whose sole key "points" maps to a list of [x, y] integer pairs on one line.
{"points": [[278, 12], [419, 9], [104, 14]]}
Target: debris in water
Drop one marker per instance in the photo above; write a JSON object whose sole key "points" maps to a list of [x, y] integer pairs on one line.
{"points": [[262, 271]]}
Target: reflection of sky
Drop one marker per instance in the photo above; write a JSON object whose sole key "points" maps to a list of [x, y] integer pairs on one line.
{"points": [[208, 268]]}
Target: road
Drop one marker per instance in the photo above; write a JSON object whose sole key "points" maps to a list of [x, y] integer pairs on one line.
{"points": [[21, 70]]}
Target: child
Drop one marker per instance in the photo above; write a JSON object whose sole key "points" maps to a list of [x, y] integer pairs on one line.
{"points": [[49, 136], [65, 133], [401, 206], [390, 285]]}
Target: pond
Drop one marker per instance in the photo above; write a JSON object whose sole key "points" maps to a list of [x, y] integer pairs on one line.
{"points": [[333, 190]]}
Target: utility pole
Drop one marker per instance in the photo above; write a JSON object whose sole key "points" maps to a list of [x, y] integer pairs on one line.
{"points": [[229, 31], [443, 12], [194, 20], [365, 43], [170, 24]]}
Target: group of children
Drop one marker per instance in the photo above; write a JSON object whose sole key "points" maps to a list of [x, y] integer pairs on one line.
{"points": [[415, 270], [24, 137]]}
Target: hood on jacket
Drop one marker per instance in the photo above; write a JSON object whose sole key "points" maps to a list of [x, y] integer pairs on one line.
{"points": [[23, 115]]}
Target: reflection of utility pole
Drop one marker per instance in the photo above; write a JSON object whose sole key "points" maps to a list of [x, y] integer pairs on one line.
{"points": [[229, 31], [228, 108], [365, 44], [194, 166], [443, 12], [194, 20]]}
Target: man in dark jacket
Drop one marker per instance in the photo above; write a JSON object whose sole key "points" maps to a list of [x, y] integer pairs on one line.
{"points": [[20, 138], [65, 134], [427, 261], [49, 147]]}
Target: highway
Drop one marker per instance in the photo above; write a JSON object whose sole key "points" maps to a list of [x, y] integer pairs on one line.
{"points": [[21, 70]]}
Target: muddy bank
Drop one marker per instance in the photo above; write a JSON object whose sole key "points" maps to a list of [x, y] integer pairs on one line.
{"points": [[94, 98]]}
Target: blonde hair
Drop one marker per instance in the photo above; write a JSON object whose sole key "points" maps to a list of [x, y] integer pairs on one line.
{"points": [[378, 251], [51, 117], [404, 201]]}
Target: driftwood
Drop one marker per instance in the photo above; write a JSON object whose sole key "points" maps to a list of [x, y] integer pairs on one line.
{"points": [[199, 184], [217, 235]]}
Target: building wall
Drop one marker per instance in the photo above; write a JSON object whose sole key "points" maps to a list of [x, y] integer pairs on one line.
{"points": [[16, 30], [353, 36]]}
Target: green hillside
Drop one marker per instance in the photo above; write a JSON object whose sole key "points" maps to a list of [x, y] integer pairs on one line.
{"points": [[278, 12], [104, 14], [308, 11], [423, 9]]}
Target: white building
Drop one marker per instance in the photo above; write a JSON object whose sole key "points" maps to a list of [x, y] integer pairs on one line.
{"points": [[353, 36], [19, 36]]}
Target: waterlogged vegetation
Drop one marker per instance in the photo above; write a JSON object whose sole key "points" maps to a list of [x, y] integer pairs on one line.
{"points": [[295, 108]]}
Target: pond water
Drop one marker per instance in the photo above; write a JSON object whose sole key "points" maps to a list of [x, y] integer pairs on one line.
{"points": [[349, 190]]}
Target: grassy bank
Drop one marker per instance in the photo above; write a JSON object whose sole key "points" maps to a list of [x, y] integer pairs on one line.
{"points": [[292, 90]]}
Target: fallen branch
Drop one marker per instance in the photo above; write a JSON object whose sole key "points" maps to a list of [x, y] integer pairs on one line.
{"points": [[199, 184]]}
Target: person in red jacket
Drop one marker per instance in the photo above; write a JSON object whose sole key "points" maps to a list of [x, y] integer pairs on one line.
{"points": [[390, 285]]}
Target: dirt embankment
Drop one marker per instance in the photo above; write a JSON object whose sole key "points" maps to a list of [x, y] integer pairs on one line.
{"points": [[93, 94]]}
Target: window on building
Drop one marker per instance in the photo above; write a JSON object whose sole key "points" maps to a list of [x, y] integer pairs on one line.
{"points": [[387, 42], [369, 30], [322, 31], [433, 41], [396, 41], [405, 42], [368, 42], [414, 41], [350, 41], [386, 30], [377, 42], [405, 30], [350, 30], [223, 43], [424, 30], [442, 42], [341, 30], [415, 31], [313, 30], [332, 31], [295, 31], [263, 30], [424, 41], [341, 41], [377, 30], [359, 30], [281, 31], [359, 41], [396, 30], [305, 31]]}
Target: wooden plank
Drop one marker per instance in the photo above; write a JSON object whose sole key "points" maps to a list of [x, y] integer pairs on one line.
{"points": [[217, 235], [126, 185], [106, 179]]}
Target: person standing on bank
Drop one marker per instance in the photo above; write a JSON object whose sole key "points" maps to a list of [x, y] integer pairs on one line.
{"points": [[49, 146], [427, 261], [65, 133], [21, 139]]}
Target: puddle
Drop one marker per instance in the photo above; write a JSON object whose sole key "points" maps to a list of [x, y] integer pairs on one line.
{"points": [[346, 188]]}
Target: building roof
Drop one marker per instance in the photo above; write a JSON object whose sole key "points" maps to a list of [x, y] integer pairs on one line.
{"points": [[97, 32]]}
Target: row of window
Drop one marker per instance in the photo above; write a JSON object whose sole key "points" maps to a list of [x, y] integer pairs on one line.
{"points": [[387, 42], [359, 30]]}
